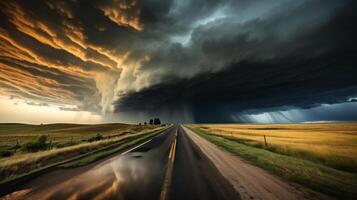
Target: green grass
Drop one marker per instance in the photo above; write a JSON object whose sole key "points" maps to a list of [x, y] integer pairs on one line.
{"points": [[13, 137], [343, 163], [331, 144], [311, 174], [126, 143], [62, 134]]}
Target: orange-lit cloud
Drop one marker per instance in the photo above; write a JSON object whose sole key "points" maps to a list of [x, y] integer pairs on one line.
{"points": [[42, 88], [40, 58], [61, 7], [12, 49], [123, 13], [67, 36]]}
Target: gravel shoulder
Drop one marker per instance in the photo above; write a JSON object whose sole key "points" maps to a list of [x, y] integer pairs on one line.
{"points": [[250, 181]]}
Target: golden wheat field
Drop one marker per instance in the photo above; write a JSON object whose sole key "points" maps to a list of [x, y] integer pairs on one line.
{"points": [[334, 144]]}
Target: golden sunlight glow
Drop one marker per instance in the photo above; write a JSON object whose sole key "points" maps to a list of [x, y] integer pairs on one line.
{"points": [[13, 110]]}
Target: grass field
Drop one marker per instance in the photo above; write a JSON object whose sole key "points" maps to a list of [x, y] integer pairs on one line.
{"points": [[320, 156], [334, 145], [115, 137], [10, 134]]}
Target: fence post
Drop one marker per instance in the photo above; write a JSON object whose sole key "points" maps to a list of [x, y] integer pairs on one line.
{"points": [[265, 141], [16, 146], [50, 143]]}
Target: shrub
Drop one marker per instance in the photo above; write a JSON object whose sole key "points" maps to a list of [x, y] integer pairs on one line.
{"points": [[39, 144], [6, 153], [96, 138]]}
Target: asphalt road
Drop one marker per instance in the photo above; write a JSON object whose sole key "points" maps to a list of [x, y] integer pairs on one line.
{"points": [[194, 176], [169, 166]]}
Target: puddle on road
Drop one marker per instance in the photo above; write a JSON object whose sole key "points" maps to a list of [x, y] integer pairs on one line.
{"points": [[126, 177]]}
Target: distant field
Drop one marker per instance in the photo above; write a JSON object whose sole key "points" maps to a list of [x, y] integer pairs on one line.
{"points": [[10, 134], [320, 156], [334, 145]]}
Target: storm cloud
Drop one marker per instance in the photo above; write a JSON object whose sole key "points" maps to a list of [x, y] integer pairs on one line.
{"points": [[294, 56], [192, 61]]}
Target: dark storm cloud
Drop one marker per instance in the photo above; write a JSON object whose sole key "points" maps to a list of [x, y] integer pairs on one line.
{"points": [[299, 56], [203, 59], [216, 41]]}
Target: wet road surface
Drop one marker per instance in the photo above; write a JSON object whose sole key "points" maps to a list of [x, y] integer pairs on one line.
{"points": [[194, 176], [138, 173]]}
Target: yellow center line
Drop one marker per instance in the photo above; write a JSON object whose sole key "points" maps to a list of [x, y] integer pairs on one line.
{"points": [[168, 176]]}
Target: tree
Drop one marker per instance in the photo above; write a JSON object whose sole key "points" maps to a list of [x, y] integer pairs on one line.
{"points": [[151, 122], [157, 121], [145, 123]]}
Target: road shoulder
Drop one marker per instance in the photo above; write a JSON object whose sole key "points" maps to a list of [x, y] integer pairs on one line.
{"points": [[250, 181]]}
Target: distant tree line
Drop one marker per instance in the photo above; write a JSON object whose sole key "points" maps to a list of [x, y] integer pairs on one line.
{"points": [[155, 121]]}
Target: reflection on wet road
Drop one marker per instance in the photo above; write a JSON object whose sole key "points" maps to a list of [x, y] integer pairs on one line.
{"points": [[137, 174]]}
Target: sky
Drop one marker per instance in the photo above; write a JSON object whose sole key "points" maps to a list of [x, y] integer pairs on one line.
{"points": [[184, 61]]}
